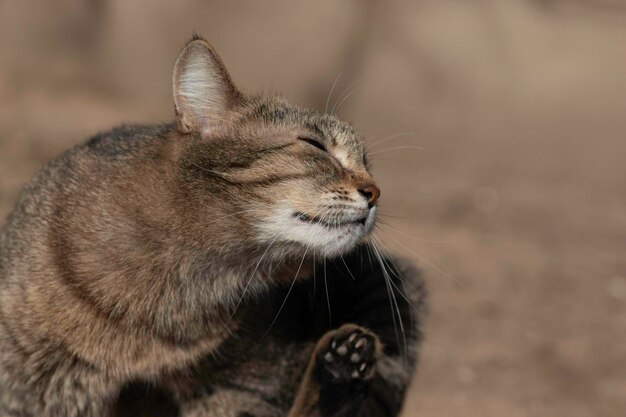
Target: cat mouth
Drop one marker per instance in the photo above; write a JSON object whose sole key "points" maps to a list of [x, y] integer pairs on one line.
{"points": [[330, 224]]}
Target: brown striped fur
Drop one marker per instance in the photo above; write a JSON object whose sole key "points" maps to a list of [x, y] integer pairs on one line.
{"points": [[150, 257]]}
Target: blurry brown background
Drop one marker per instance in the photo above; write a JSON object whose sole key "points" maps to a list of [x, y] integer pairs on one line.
{"points": [[515, 207]]}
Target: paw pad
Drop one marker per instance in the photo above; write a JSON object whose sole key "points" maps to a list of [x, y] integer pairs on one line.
{"points": [[350, 353]]}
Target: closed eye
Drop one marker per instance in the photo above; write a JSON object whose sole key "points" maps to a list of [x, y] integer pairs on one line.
{"points": [[313, 142]]}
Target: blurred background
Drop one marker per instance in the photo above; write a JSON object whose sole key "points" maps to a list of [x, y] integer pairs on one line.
{"points": [[515, 205]]}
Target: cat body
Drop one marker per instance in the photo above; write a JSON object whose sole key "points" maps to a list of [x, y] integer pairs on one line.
{"points": [[256, 371], [150, 255]]}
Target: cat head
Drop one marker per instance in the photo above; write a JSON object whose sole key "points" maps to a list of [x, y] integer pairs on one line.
{"points": [[281, 175]]}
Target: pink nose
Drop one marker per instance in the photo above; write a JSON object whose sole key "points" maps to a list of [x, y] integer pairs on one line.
{"points": [[371, 192]]}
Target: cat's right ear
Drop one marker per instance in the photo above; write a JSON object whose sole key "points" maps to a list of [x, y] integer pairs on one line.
{"points": [[203, 91]]}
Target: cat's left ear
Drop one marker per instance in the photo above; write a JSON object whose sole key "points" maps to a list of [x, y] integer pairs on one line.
{"points": [[203, 91]]}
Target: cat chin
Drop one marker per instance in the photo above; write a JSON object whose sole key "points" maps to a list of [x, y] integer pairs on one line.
{"points": [[316, 238]]}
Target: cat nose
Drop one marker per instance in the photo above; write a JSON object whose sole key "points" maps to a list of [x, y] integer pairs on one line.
{"points": [[371, 192]]}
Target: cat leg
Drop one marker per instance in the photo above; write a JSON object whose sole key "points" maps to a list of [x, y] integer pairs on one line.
{"points": [[340, 368], [388, 297]]}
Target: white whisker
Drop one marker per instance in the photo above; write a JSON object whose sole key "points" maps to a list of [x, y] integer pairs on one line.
{"points": [[395, 148], [378, 257], [330, 318], [286, 296], [430, 264], [388, 138], [352, 84], [393, 300], [337, 107], [394, 270], [346, 265], [331, 92], [252, 277], [381, 223]]}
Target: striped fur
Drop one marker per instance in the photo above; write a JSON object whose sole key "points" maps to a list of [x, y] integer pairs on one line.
{"points": [[144, 267]]}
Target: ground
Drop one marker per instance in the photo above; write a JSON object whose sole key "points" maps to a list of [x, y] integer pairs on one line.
{"points": [[515, 205]]}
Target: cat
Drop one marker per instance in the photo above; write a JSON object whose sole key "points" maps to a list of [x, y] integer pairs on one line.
{"points": [[180, 269]]}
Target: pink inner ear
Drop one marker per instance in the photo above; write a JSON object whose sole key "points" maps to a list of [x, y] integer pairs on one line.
{"points": [[203, 90]]}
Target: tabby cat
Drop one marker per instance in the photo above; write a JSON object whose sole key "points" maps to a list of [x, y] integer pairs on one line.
{"points": [[215, 266]]}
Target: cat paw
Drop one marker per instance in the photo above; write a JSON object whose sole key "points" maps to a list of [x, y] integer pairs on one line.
{"points": [[348, 354]]}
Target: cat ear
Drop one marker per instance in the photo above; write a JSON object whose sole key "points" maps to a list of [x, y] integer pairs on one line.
{"points": [[203, 90]]}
